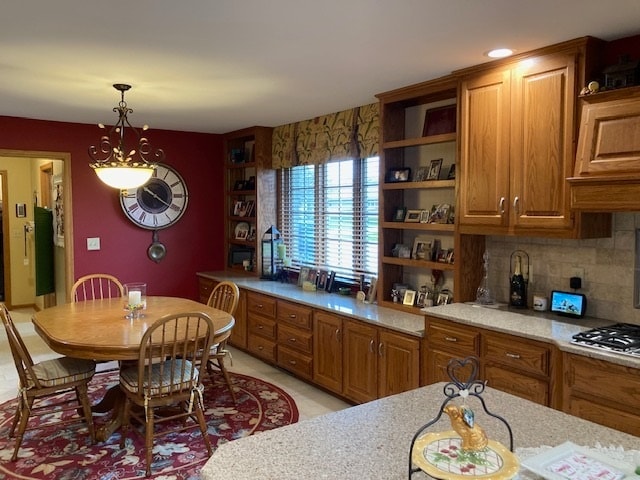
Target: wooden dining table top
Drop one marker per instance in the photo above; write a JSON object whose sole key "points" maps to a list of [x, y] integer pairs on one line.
{"points": [[98, 329]]}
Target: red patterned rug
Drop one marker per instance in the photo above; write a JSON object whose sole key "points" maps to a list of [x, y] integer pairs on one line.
{"points": [[64, 454]]}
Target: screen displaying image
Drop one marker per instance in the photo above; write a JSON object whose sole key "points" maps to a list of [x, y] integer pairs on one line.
{"points": [[569, 303]]}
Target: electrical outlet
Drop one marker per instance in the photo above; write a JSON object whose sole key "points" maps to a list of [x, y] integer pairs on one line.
{"points": [[577, 272]]}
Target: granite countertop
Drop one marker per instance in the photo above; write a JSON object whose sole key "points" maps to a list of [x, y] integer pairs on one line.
{"points": [[373, 440], [346, 306], [542, 326]]}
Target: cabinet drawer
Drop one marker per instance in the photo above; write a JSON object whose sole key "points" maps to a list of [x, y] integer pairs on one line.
{"points": [[523, 386], [261, 304], [614, 417], [450, 337], [296, 362], [264, 327], [262, 347], [295, 338], [295, 315], [437, 363], [521, 355]]}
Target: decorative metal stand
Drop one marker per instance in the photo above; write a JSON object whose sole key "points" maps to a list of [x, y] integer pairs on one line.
{"points": [[455, 389]]}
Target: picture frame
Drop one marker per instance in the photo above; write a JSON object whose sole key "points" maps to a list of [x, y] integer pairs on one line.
{"points": [[312, 276], [302, 275], [21, 210], [331, 281], [450, 256], [452, 172], [237, 208], [399, 214], [434, 169], [420, 298], [443, 299], [323, 278], [440, 213], [425, 216], [239, 185], [396, 175], [421, 174], [421, 250], [413, 216], [409, 298], [241, 234], [439, 120], [373, 287]]}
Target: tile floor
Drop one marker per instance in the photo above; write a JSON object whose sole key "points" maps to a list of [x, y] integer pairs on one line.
{"points": [[310, 400]]}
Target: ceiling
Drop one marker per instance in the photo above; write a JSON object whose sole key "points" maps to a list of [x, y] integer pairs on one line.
{"points": [[218, 65]]}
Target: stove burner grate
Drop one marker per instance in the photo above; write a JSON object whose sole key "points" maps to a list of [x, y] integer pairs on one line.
{"points": [[620, 337]]}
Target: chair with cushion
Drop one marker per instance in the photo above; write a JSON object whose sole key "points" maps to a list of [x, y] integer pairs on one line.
{"points": [[164, 379], [96, 286], [40, 381], [225, 296]]}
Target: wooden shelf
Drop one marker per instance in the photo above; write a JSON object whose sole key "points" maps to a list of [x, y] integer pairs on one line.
{"points": [[410, 262], [416, 142], [419, 185], [425, 227]]}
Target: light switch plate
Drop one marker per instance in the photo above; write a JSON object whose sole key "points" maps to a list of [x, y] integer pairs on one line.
{"points": [[93, 243]]}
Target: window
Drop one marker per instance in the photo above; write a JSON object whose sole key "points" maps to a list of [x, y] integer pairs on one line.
{"points": [[329, 216]]}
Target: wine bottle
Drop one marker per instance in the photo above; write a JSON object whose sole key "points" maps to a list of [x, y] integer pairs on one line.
{"points": [[518, 288]]}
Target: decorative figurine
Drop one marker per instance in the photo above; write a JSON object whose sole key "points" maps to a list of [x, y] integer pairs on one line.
{"points": [[462, 421]]}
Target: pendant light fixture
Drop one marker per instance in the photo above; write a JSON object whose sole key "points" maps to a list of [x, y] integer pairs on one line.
{"points": [[116, 164]]}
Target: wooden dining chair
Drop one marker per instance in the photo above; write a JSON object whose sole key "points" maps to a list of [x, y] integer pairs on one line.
{"points": [[40, 381], [96, 286], [164, 377], [225, 296]]}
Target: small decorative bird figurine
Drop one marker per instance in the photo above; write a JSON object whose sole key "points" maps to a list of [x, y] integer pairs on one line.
{"points": [[462, 421]]}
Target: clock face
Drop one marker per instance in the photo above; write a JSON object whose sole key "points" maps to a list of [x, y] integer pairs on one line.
{"points": [[158, 203]]}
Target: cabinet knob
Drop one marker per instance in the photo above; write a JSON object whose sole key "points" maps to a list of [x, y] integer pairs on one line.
{"points": [[260, 347], [260, 327], [292, 340], [293, 315], [259, 305], [513, 355], [501, 205], [451, 339], [293, 362]]}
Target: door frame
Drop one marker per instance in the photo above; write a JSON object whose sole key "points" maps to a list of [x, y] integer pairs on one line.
{"points": [[67, 224]]}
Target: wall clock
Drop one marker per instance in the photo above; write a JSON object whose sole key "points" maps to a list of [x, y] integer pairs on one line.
{"points": [[159, 203]]}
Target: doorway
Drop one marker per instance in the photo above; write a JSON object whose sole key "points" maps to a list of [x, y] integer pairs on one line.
{"points": [[34, 178]]}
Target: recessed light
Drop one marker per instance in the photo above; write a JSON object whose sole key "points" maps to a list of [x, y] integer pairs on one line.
{"points": [[499, 53]]}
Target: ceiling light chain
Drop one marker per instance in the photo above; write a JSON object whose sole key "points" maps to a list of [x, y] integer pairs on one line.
{"points": [[113, 162]]}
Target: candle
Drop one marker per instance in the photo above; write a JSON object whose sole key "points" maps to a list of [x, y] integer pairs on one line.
{"points": [[135, 298], [282, 251]]}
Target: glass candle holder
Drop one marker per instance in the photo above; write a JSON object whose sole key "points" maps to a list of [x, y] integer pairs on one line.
{"points": [[135, 299]]}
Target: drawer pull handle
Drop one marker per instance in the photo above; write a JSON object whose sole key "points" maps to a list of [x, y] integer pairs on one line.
{"points": [[293, 315], [260, 327], [451, 339], [260, 347], [259, 305], [371, 345], [338, 335], [292, 340], [380, 349], [293, 362], [513, 355], [501, 205]]}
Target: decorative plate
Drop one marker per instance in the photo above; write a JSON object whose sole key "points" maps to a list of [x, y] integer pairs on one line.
{"points": [[439, 454], [569, 461]]}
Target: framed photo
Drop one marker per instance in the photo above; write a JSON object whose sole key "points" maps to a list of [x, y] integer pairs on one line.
{"points": [[413, 216], [241, 234], [452, 172], [239, 185], [440, 213], [330, 281], [409, 297], [421, 250], [21, 210], [421, 174], [302, 276], [434, 169], [450, 255], [399, 214], [312, 276], [420, 299], [398, 175], [443, 299], [425, 216], [323, 278], [440, 120], [373, 287]]}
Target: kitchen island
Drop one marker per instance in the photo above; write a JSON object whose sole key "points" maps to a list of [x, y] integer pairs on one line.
{"points": [[372, 440]]}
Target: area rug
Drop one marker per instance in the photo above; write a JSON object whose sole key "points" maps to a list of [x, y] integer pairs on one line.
{"points": [[53, 452]]}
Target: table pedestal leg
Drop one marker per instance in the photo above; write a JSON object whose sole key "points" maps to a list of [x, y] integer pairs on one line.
{"points": [[113, 401]]}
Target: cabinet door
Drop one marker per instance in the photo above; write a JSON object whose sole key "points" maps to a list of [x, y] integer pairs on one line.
{"points": [[205, 287], [398, 363], [327, 351], [360, 361], [484, 152], [239, 333], [542, 129]]}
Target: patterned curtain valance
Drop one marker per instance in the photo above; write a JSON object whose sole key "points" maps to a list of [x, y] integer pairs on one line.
{"points": [[348, 134]]}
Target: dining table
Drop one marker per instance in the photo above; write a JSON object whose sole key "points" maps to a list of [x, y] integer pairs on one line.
{"points": [[100, 330]]}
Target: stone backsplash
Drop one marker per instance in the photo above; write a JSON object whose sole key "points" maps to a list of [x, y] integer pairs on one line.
{"points": [[608, 264]]}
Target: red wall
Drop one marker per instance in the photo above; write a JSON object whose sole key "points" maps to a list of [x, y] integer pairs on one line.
{"points": [[194, 243]]}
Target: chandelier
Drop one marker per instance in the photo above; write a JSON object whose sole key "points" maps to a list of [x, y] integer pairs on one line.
{"points": [[114, 163]]}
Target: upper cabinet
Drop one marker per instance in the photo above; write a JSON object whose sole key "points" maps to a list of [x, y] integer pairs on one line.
{"points": [[517, 128], [250, 200], [608, 156]]}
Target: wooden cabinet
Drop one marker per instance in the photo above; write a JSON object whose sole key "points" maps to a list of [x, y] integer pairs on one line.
{"points": [[520, 366], [239, 335], [205, 287], [407, 143], [261, 326], [602, 392], [250, 200], [362, 361], [517, 134], [295, 338]]}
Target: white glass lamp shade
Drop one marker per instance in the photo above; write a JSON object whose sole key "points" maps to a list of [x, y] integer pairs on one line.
{"points": [[124, 177]]}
